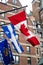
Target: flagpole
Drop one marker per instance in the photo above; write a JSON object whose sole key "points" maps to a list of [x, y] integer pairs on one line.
{"points": [[4, 24], [13, 9]]}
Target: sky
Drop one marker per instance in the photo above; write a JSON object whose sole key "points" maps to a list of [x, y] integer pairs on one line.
{"points": [[27, 2], [24, 3]]}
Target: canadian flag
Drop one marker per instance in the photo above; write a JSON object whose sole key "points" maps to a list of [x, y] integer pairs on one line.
{"points": [[20, 23]]}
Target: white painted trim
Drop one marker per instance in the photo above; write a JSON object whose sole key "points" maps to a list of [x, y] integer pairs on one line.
{"points": [[26, 55], [12, 5]]}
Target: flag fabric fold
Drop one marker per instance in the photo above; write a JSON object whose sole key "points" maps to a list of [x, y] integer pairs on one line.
{"points": [[6, 57], [11, 55], [20, 23], [11, 34]]}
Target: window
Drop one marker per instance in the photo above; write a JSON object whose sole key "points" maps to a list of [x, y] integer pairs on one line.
{"points": [[14, 1], [37, 50], [29, 60], [28, 48], [1, 35], [41, 3], [1, 59], [17, 36], [38, 25], [35, 31], [34, 22], [2, 22], [40, 34], [4, 1], [15, 10], [41, 44], [16, 59], [3, 15], [42, 53], [1, 32], [38, 59]]}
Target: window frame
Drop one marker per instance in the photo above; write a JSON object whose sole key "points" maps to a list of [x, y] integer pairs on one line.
{"points": [[37, 51], [1, 34], [14, 1], [28, 49], [42, 53], [41, 43], [15, 60], [16, 36], [3, 15], [29, 61], [5, 1]]}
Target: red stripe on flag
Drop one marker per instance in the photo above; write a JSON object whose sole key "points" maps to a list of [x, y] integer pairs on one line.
{"points": [[33, 41], [20, 17]]}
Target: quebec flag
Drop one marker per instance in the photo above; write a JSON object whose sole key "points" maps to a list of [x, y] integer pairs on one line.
{"points": [[6, 57], [10, 33]]}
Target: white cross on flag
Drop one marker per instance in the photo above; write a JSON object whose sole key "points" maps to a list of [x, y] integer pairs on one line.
{"points": [[19, 21]]}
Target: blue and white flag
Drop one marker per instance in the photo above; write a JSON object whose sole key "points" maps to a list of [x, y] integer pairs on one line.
{"points": [[4, 52], [10, 33]]}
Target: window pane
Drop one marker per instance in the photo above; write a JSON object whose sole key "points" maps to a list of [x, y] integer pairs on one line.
{"points": [[29, 60], [38, 59], [4, 1], [28, 49], [15, 10], [17, 59], [41, 3], [42, 53], [17, 36], [40, 35], [3, 15], [14, 1], [41, 44], [0, 0], [2, 22], [39, 26], [35, 31], [14, 58], [1, 35], [37, 50]]}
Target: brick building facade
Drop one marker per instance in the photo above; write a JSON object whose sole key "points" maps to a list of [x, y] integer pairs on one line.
{"points": [[31, 54], [37, 6]]}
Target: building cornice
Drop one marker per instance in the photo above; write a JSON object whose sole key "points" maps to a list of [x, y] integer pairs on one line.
{"points": [[8, 4], [26, 55], [34, 1]]}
